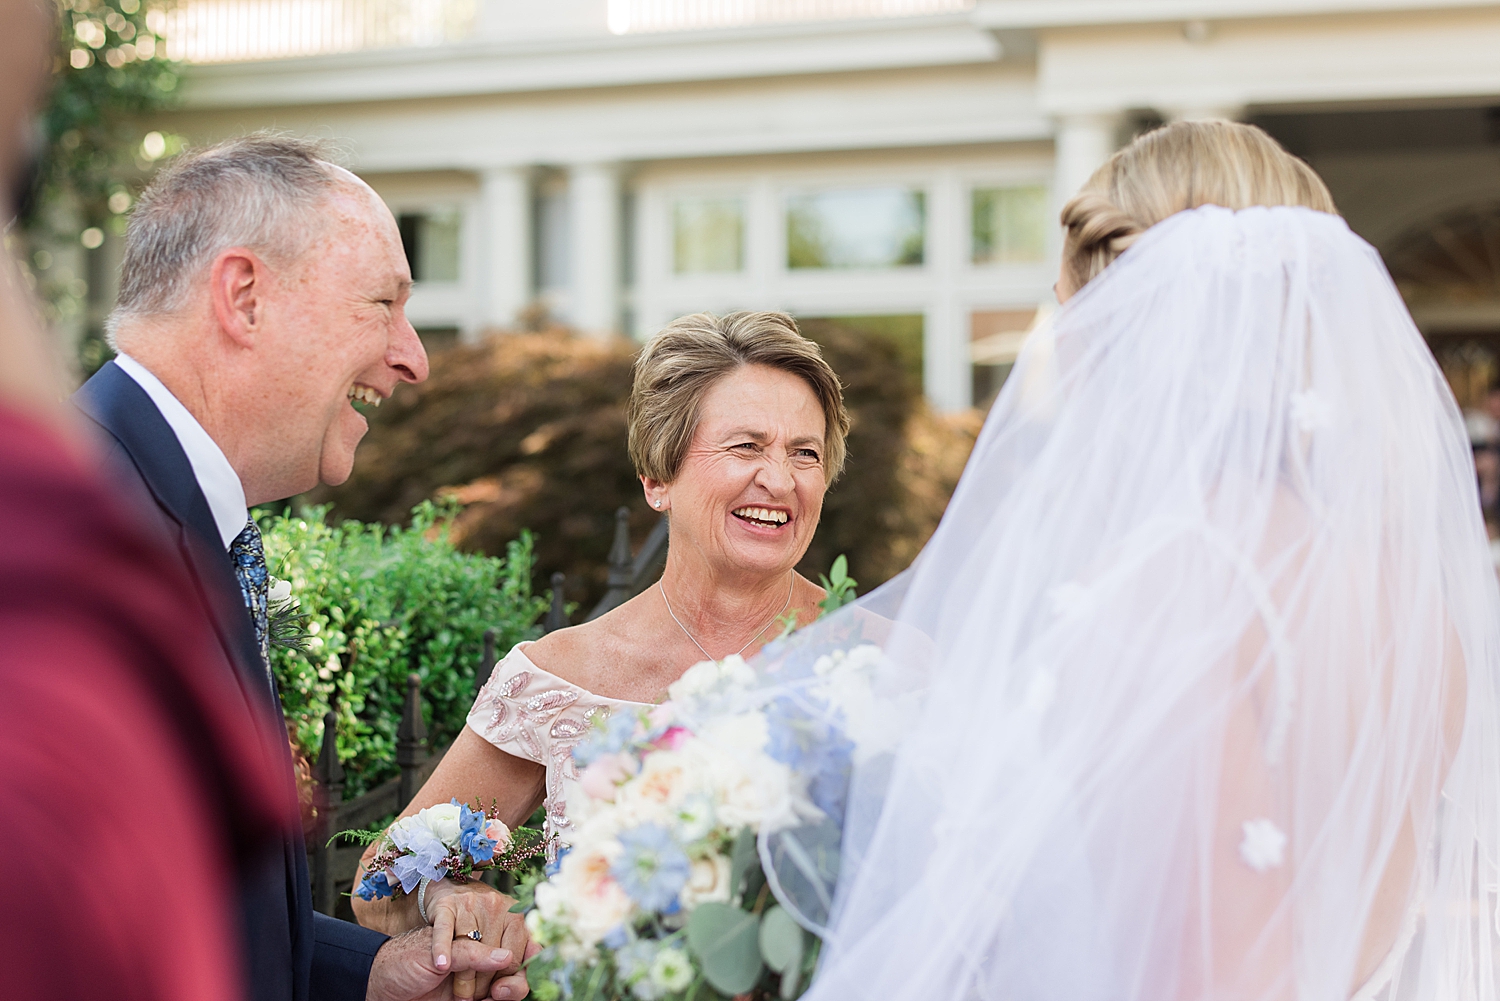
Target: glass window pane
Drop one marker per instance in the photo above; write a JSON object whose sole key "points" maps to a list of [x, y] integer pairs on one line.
{"points": [[430, 240], [1010, 225], [437, 246], [708, 235], [856, 228]]}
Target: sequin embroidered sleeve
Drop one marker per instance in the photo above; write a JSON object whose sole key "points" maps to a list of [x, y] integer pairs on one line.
{"points": [[527, 712]]}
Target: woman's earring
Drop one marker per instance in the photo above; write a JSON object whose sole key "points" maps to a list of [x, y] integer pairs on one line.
{"points": [[656, 503]]}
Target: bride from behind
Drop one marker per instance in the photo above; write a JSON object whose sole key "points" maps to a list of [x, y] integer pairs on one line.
{"points": [[1212, 704]]}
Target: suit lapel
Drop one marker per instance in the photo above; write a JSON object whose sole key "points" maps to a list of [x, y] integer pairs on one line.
{"points": [[125, 411]]}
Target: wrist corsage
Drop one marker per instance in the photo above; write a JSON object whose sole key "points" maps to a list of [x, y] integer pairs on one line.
{"points": [[450, 841]]}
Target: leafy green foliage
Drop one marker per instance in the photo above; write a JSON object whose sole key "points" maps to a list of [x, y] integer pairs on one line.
{"points": [[726, 941], [381, 603], [838, 584], [783, 945], [110, 65], [780, 939], [111, 71]]}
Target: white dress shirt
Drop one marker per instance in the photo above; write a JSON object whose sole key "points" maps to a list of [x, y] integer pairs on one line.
{"points": [[216, 477]]}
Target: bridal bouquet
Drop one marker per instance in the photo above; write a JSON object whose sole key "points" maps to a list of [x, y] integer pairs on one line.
{"points": [[662, 894]]}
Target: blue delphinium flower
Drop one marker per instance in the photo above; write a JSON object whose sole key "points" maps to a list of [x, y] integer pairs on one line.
{"points": [[374, 886], [812, 744], [634, 964], [616, 937], [653, 868], [471, 839], [617, 734]]}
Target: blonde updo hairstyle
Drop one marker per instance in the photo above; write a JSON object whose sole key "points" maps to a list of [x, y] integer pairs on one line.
{"points": [[678, 367], [1174, 168]]}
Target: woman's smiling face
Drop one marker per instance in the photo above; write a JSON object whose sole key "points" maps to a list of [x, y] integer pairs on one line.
{"points": [[750, 491]]}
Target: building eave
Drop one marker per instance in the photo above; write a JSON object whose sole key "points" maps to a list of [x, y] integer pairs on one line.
{"points": [[1033, 15], [592, 61]]}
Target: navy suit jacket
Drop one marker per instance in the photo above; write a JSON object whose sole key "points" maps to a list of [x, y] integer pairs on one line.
{"points": [[291, 952]]}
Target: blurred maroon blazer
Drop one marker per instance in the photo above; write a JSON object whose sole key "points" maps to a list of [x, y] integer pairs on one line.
{"points": [[131, 781]]}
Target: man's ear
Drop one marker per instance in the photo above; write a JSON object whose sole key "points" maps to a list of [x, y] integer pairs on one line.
{"points": [[236, 290]]}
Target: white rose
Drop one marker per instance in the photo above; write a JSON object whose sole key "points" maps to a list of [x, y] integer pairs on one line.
{"points": [[442, 821], [735, 673], [695, 682], [279, 591], [741, 734], [631, 809], [749, 788], [758, 797], [663, 779], [708, 882], [593, 903]]}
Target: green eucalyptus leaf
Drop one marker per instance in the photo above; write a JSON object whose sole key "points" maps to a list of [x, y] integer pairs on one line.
{"points": [[726, 942], [791, 980], [780, 940], [743, 859]]}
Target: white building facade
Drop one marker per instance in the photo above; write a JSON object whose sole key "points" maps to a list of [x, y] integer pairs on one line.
{"points": [[617, 163]]}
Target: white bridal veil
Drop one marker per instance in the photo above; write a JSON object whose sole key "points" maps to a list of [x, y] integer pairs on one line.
{"points": [[1206, 652]]}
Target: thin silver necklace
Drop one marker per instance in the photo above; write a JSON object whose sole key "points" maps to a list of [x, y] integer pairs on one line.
{"points": [[752, 639]]}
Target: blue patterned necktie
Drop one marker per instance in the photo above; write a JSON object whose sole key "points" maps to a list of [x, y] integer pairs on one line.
{"points": [[249, 558]]}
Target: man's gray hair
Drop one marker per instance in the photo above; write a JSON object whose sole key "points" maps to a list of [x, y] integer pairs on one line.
{"points": [[253, 192]]}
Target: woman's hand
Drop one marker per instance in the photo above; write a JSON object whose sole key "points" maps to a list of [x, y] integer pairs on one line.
{"points": [[455, 910]]}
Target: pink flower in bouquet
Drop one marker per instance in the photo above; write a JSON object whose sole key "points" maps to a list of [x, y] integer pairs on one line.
{"points": [[663, 779], [672, 739], [661, 715], [608, 771]]}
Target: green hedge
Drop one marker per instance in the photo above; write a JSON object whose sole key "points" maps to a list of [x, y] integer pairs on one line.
{"points": [[380, 603]]}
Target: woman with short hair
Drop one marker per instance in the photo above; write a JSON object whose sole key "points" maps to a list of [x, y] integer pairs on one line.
{"points": [[737, 429]]}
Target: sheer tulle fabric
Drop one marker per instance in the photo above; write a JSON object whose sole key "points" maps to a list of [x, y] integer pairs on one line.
{"points": [[1206, 650]]}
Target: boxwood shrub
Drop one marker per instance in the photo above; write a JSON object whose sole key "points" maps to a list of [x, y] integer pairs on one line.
{"points": [[378, 603]]}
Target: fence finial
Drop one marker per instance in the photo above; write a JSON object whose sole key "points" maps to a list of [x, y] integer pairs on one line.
{"points": [[620, 559], [557, 616]]}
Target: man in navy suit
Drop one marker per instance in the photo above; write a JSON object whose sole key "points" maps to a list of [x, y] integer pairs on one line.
{"points": [[262, 295]]}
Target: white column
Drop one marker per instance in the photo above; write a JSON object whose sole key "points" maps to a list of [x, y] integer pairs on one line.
{"points": [[505, 245], [946, 374], [594, 190], [1083, 143]]}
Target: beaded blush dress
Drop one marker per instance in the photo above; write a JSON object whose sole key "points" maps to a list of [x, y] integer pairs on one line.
{"points": [[537, 716]]}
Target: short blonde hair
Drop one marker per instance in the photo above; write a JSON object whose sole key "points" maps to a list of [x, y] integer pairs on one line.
{"points": [[679, 366], [1178, 167]]}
